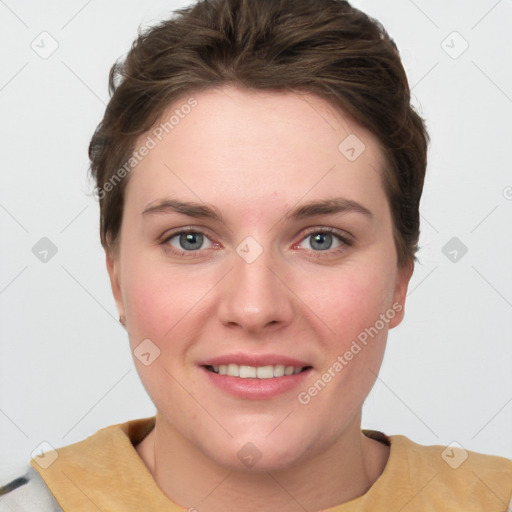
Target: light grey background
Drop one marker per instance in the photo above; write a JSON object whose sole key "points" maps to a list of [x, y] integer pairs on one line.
{"points": [[65, 365]]}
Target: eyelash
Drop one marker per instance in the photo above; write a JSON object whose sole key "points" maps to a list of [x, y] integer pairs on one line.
{"points": [[346, 242]]}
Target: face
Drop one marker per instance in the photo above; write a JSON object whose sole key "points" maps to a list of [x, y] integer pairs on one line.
{"points": [[257, 239]]}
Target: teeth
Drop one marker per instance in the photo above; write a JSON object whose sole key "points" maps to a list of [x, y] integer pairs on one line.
{"points": [[233, 370], [247, 372], [255, 372], [265, 372]]}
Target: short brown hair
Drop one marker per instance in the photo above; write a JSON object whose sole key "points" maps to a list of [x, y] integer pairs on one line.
{"points": [[324, 47]]}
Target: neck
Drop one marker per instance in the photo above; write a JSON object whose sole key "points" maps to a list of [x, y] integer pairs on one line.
{"points": [[190, 479]]}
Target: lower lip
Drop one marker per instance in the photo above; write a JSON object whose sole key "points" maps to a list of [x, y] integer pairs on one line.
{"points": [[256, 389]]}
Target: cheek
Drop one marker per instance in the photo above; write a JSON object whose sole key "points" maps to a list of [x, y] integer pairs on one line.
{"points": [[351, 306], [160, 305], [164, 301], [350, 300], [156, 297], [157, 306]]}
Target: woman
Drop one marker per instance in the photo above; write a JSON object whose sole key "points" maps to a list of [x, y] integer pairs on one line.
{"points": [[259, 170]]}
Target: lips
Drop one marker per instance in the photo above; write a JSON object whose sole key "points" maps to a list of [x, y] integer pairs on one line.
{"points": [[255, 376], [247, 387]]}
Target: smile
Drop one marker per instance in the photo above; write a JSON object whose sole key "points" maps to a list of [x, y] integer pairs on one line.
{"points": [[255, 372]]}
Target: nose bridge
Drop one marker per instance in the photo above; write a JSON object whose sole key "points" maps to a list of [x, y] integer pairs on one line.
{"points": [[254, 295]]}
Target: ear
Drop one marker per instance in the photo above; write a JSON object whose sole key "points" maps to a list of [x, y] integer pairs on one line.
{"points": [[403, 277], [113, 269]]}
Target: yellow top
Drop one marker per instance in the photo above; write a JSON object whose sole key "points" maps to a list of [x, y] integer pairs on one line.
{"points": [[104, 472]]}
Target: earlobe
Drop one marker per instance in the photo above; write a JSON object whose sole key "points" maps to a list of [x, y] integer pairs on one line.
{"points": [[403, 277], [113, 272]]}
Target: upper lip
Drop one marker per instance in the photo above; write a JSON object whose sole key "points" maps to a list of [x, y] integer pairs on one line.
{"points": [[254, 360]]}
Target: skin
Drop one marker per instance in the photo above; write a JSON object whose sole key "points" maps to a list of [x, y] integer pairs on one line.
{"points": [[255, 156]]}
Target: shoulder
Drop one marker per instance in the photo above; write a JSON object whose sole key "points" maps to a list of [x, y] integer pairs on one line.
{"points": [[27, 493], [455, 475]]}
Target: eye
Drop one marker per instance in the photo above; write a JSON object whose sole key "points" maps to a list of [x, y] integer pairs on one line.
{"points": [[187, 241], [326, 240]]}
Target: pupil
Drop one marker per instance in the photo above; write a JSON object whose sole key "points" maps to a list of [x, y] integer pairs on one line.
{"points": [[191, 241], [321, 238]]}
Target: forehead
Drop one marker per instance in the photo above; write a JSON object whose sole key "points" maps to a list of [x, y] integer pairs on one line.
{"points": [[260, 147]]}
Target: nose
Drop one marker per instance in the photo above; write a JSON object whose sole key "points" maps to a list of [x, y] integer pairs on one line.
{"points": [[254, 296]]}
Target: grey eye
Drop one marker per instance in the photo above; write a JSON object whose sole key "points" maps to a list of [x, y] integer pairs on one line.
{"points": [[321, 241], [189, 241]]}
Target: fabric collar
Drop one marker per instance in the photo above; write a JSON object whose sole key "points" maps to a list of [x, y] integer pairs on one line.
{"points": [[104, 472]]}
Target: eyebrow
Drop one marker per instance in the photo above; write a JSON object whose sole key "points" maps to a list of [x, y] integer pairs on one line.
{"points": [[191, 209], [314, 208], [328, 207]]}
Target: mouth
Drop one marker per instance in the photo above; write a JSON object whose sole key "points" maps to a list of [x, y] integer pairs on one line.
{"points": [[256, 376], [256, 372]]}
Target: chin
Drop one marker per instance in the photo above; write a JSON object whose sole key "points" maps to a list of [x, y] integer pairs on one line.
{"points": [[257, 454]]}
